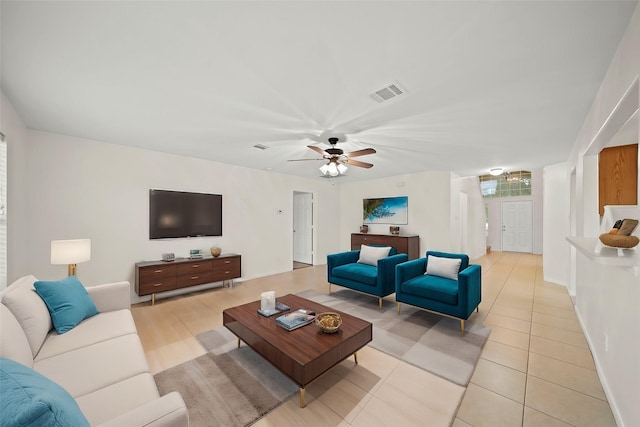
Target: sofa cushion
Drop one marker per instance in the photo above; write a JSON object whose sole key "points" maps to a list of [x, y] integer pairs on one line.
{"points": [[432, 287], [371, 254], [13, 342], [443, 267], [107, 403], [362, 273], [106, 326], [31, 399], [30, 311], [68, 302], [91, 368]]}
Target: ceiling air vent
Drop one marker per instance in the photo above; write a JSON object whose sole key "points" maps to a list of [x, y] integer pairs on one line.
{"points": [[260, 147], [388, 92]]}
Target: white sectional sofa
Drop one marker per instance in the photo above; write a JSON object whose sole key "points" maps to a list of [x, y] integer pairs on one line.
{"points": [[100, 362]]}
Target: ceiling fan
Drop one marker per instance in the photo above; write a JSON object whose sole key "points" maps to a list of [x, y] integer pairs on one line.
{"points": [[337, 159]]}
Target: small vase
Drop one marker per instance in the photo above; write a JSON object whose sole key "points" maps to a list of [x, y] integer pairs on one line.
{"points": [[364, 229], [216, 251]]}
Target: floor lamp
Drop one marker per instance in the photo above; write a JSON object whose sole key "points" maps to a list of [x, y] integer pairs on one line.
{"points": [[70, 252]]}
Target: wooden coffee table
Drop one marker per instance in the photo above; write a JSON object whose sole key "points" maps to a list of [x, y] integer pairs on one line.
{"points": [[304, 353]]}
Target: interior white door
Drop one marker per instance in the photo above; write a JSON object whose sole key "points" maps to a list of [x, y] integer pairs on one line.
{"points": [[517, 226], [303, 227]]}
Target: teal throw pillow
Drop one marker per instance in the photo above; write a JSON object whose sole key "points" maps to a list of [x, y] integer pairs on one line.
{"points": [[31, 399], [68, 302]]}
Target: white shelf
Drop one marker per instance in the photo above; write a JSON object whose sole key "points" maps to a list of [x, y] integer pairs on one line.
{"points": [[593, 248]]}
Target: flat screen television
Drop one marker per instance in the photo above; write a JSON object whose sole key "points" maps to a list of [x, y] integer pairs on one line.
{"points": [[175, 214]]}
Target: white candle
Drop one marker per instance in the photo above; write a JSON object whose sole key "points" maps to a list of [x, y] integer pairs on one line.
{"points": [[268, 301]]}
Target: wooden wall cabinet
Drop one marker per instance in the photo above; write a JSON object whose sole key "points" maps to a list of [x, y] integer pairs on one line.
{"points": [[405, 244], [153, 277], [618, 176]]}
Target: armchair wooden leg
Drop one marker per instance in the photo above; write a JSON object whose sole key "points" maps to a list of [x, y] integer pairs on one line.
{"points": [[329, 287], [462, 326], [398, 308], [379, 302]]}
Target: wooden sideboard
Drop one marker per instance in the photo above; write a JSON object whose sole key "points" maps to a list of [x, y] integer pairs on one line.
{"points": [[153, 277], [404, 243]]}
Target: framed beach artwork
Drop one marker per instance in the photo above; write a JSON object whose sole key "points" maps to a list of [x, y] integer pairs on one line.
{"points": [[386, 210]]}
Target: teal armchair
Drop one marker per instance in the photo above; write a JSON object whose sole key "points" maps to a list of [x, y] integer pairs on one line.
{"points": [[343, 269], [454, 297]]}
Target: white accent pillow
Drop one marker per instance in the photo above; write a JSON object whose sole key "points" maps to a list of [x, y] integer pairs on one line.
{"points": [[30, 311], [443, 267], [371, 254]]}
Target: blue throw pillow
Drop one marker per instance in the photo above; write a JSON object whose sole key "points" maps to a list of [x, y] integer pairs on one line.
{"points": [[68, 302], [31, 399]]}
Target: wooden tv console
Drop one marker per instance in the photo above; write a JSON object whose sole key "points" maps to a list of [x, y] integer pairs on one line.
{"points": [[405, 244], [153, 277]]}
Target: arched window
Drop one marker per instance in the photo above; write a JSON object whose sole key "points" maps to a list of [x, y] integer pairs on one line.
{"points": [[517, 183]]}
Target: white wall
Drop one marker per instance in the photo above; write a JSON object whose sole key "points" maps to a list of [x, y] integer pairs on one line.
{"points": [[77, 188], [556, 251], [607, 296], [430, 209], [472, 221]]}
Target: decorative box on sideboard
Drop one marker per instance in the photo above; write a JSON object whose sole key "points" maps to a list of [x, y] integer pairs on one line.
{"points": [[405, 243], [153, 277]]}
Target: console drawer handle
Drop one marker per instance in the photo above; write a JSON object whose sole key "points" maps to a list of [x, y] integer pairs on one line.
{"points": [[158, 271], [194, 277], [195, 266], [227, 272], [227, 262], [155, 285]]}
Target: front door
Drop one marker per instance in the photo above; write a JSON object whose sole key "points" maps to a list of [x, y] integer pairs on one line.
{"points": [[517, 226]]}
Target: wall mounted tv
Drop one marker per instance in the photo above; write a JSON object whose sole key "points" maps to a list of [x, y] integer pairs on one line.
{"points": [[174, 214]]}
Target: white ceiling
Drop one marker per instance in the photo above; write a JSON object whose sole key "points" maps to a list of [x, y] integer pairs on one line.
{"points": [[489, 84]]}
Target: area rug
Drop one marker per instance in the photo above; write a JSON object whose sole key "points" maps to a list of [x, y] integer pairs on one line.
{"points": [[423, 339], [228, 386]]}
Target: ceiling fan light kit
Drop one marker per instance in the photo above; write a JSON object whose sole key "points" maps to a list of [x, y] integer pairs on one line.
{"points": [[337, 160], [333, 168]]}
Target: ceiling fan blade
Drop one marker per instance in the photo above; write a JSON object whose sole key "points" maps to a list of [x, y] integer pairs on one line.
{"points": [[359, 164], [317, 149], [302, 160], [362, 152]]}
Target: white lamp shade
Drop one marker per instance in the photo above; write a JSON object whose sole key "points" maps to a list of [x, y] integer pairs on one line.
{"points": [[324, 169], [342, 168], [70, 251]]}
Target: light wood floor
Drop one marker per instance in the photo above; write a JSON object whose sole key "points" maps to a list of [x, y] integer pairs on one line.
{"points": [[535, 370]]}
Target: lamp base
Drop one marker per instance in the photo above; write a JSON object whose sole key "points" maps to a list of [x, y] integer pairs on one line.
{"points": [[72, 269]]}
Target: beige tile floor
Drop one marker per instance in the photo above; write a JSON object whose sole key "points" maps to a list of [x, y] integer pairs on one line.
{"points": [[535, 370]]}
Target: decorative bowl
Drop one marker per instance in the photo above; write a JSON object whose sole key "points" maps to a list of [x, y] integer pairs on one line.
{"points": [[329, 322]]}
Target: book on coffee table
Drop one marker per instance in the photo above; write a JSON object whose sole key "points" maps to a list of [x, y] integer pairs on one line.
{"points": [[296, 319]]}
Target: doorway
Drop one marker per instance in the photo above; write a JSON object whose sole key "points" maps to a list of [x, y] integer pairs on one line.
{"points": [[517, 226], [302, 229]]}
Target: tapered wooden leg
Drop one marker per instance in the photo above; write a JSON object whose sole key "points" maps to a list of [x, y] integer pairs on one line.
{"points": [[398, 308], [238, 342], [380, 302], [329, 287], [355, 357], [462, 326], [302, 404]]}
